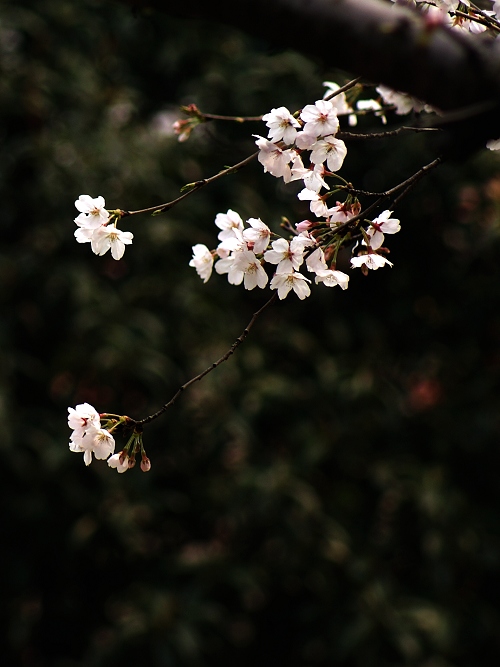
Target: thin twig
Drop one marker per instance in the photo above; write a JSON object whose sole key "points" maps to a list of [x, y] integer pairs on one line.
{"points": [[235, 119], [383, 135], [406, 186], [347, 86], [212, 367], [194, 187], [482, 20]]}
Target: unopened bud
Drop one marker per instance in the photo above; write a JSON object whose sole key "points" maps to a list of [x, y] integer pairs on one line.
{"points": [[303, 226], [145, 464]]}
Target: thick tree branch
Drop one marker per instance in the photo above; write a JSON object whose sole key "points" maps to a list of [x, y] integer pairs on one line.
{"points": [[390, 44]]}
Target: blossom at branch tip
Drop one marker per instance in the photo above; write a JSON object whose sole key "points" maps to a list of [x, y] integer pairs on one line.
{"points": [[183, 128], [119, 461], [258, 235], [274, 159], [229, 223], [284, 282], [92, 212], [370, 260], [202, 261], [282, 125], [320, 118], [110, 238], [330, 149], [383, 224], [83, 417]]}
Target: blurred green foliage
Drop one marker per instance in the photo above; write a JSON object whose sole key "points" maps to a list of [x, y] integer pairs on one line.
{"points": [[329, 496]]}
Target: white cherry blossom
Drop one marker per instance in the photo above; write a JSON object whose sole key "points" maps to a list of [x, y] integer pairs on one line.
{"points": [[341, 213], [320, 118], [254, 274], [381, 225], [370, 260], [274, 159], [312, 177], [202, 261], [404, 103], [83, 417], [258, 234], [315, 262], [371, 105], [227, 265], [118, 461], [92, 212], [305, 140], [228, 222], [233, 243], [84, 234], [330, 149], [110, 238], [493, 145], [288, 256], [317, 203], [332, 278], [339, 101], [282, 125], [95, 441], [284, 282]]}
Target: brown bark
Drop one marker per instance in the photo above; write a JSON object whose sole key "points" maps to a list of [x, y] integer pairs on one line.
{"points": [[389, 44]]}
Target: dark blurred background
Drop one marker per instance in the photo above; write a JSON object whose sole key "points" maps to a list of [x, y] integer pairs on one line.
{"points": [[330, 495]]}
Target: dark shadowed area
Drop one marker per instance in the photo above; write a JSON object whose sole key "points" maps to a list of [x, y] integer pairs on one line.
{"points": [[328, 496]]}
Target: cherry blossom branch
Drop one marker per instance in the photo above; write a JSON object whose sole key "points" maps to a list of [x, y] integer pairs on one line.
{"points": [[193, 187], [491, 22], [406, 186], [482, 19], [411, 181], [212, 367], [391, 44]]}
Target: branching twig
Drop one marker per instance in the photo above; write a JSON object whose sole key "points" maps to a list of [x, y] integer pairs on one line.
{"points": [[212, 367], [347, 86], [412, 180], [406, 186], [193, 187], [387, 133], [235, 119]]}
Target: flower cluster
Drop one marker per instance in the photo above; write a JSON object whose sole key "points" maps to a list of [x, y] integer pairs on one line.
{"points": [[458, 14], [97, 226], [244, 251], [90, 436]]}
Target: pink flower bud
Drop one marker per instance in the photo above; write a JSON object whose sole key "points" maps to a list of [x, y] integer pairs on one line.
{"points": [[145, 464], [303, 226]]}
